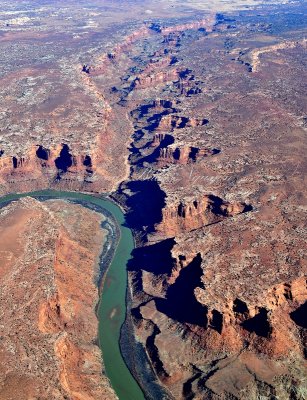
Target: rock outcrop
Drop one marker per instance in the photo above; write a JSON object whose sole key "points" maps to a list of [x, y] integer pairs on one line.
{"points": [[49, 259], [217, 281], [206, 23], [158, 78], [171, 122], [255, 55], [181, 155], [185, 216]]}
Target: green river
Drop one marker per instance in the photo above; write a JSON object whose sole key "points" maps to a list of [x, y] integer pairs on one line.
{"points": [[112, 306]]}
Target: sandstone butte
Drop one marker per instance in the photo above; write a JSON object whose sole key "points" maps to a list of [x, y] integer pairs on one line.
{"points": [[49, 255], [195, 123]]}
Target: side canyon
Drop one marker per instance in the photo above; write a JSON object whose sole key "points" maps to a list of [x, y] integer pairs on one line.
{"points": [[192, 119]]}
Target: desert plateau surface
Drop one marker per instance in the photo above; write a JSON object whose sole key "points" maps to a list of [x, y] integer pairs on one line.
{"points": [[189, 119]]}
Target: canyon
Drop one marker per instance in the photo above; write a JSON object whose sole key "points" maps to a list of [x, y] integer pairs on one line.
{"points": [[194, 123]]}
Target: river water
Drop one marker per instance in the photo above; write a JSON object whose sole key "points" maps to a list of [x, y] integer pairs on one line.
{"points": [[112, 305]]}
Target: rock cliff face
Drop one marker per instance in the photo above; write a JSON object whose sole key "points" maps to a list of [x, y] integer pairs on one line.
{"points": [[105, 61], [238, 340], [206, 23], [218, 291], [48, 256], [144, 81], [181, 155], [185, 216], [171, 122], [196, 125], [42, 167], [63, 166], [256, 54]]}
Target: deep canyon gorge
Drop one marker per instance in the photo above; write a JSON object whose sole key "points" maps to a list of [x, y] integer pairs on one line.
{"points": [[191, 117]]}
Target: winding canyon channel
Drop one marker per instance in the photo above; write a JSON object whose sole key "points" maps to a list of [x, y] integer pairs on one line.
{"points": [[111, 311]]}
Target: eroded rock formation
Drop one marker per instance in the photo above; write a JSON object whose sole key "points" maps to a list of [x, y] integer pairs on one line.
{"points": [[218, 276], [185, 216], [144, 81], [170, 122], [49, 259], [183, 155], [206, 23]]}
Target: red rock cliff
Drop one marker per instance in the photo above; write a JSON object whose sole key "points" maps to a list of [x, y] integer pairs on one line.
{"points": [[49, 254]]}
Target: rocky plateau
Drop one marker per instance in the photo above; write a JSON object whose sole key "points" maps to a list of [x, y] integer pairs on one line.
{"points": [[49, 259], [192, 117]]}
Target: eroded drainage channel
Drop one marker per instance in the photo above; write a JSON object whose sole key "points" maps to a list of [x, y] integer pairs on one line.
{"points": [[112, 306]]}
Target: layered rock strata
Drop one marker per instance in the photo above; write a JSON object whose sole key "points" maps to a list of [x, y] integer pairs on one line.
{"points": [[49, 264], [209, 114]]}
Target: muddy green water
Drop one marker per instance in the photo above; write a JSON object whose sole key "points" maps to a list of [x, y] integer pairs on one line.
{"points": [[112, 306]]}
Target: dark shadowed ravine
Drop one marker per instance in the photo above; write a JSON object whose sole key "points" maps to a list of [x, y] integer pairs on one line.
{"points": [[112, 306]]}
